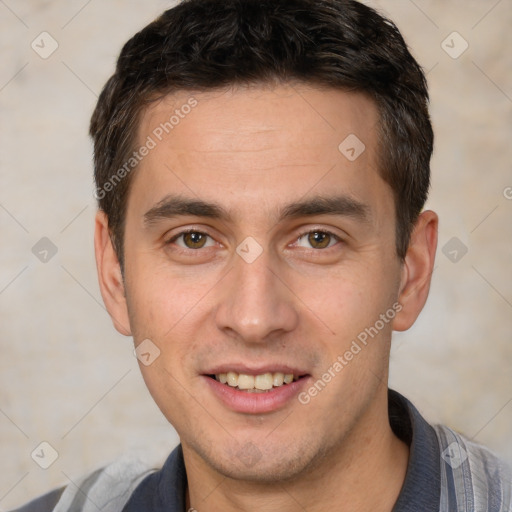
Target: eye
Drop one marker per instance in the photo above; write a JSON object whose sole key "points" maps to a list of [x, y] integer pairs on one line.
{"points": [[318, 239], [191, 240]]}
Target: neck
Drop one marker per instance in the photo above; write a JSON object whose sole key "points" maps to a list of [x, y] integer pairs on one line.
{"points": [[365, 472]]}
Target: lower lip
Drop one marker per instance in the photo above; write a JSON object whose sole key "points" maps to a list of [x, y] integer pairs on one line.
{"points": [[256, 403]]}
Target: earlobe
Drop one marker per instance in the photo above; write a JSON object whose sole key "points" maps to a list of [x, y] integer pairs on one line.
{"points": [[109, 275], [417, 270]]}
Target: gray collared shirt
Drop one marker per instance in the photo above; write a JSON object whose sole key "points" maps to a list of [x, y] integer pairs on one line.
{"points": [[446, 473]]}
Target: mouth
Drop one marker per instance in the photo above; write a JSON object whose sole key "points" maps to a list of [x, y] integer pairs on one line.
{"points": [[261, 383], [256, 391]]}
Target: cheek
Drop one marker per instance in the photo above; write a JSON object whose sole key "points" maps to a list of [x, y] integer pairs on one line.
{"points": [[169, 391], [159, 300], [351, 298], [362, 337], [169, 310]]}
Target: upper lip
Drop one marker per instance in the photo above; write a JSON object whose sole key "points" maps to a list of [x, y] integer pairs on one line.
{"points": [[256, 370]]}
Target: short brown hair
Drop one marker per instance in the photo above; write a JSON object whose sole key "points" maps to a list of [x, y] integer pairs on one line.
{"points": [[208, 44]]}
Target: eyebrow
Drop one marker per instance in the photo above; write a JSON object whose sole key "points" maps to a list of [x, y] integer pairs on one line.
{"points": [[173, 206]]}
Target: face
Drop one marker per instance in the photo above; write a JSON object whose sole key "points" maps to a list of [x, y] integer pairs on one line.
{"points": [[257, 247]]}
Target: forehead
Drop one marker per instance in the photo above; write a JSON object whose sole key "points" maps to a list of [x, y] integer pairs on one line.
{"points": [[246, 116], [263, 142]]}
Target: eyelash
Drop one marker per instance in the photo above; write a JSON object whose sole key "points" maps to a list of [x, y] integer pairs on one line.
{"points": [[188, 250]]}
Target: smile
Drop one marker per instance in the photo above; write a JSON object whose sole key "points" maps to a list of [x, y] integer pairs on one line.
{"points": [[253, 392], [255, 383]]}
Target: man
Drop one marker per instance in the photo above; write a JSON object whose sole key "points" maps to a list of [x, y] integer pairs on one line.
{"points": [[261, 170]]}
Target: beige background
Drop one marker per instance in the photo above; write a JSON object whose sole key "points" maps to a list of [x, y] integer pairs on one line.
{"points": [[66, 377]]}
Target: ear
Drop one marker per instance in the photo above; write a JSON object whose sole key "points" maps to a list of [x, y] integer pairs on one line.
{"points": [[109, 275], [417, 270]]}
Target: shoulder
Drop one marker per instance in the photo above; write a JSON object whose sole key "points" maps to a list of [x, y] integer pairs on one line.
{"points": [[107, 489], [472, 475], [44, 503]]}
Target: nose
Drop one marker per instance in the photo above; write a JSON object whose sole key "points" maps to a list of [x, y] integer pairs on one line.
{"points": [[256, 304]]}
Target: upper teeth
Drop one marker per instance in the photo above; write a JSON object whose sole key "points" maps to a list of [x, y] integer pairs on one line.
{"points": [[262, 382]]}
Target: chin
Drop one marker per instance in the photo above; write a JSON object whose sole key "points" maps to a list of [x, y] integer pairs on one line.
{"points": [[261, 463]]}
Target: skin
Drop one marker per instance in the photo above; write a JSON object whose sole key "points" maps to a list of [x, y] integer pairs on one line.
{"points": [[254, 150]]}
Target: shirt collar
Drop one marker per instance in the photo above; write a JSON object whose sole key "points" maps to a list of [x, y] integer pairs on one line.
{"points": [[422, 486]]}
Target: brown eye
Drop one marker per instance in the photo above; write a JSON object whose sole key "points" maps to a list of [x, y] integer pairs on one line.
{"points": [[194, 240], [191, 240], [319, 239]]}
